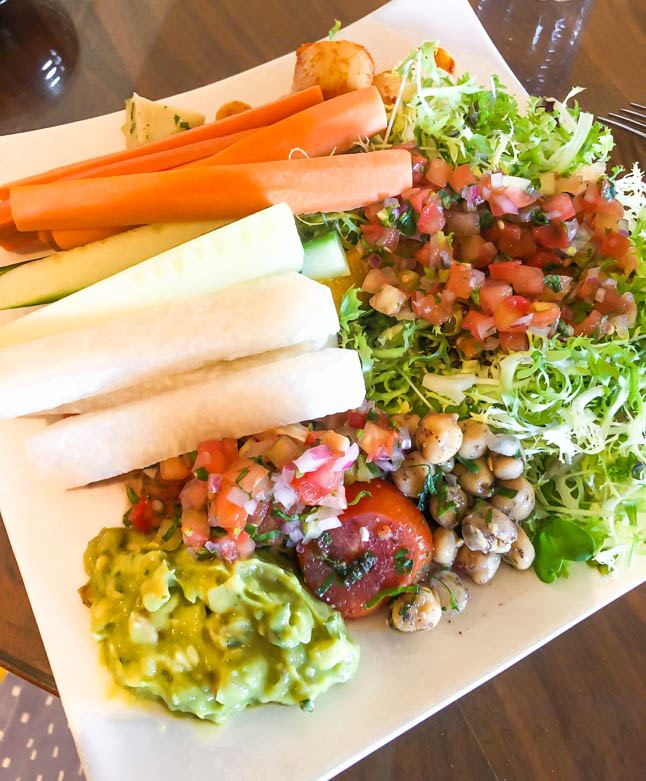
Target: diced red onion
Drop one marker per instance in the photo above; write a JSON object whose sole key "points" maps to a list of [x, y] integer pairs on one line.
{"points": [[313, 458], [285, 494], [287, 474], [210, 546], [522, 322], [193, 495], [237, 496], [600, 294], [214, 483], [246, 548], [572, 228], [404, 438], [333, 502], [390, 202], [386, 465], [346, 461], [374, 260], [250, 506], [496, 181], [364, 534]]}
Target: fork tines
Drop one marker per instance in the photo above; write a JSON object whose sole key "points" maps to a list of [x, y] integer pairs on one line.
{"points": [[625, 119]]}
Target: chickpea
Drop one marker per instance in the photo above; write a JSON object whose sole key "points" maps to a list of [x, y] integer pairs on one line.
{"points": [[489, 531], [476, 479], [507, 467], [456, 504], [521, 554], [445, 546], [410, 422], [474, 439], [519, 505], [414, 612], [451, 590], [411, 475], [480, 567], [438, 437]]}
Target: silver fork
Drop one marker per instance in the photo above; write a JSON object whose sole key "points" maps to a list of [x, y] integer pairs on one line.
{"points": [[627, 119]]}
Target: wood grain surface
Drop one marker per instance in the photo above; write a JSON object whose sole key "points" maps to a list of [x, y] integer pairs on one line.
{"points": [[575, 709]]}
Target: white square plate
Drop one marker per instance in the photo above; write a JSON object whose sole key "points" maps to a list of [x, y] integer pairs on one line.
{"points": [[397, 683]]}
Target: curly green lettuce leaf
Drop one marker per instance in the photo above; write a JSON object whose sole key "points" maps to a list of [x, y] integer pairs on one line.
{"points": [[463, 122]]}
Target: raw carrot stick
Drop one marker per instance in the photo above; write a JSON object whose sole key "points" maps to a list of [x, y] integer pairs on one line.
{"points": [[162, 161], [158, 161], [23, 243], [332, 126], [69, 239], [245, 120], [333, 183]]}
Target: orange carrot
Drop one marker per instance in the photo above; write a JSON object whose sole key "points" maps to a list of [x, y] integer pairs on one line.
{"points": [[332, 126], [246, 120], [158, 161], [69, 239], [162, 161], [24, 243], [334, 183]]}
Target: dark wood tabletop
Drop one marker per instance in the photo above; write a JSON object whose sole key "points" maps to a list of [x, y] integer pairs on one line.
{"points": [[575, 709]]}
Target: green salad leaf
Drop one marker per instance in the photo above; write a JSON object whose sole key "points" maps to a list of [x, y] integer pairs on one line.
{"points": [[464, 122]]}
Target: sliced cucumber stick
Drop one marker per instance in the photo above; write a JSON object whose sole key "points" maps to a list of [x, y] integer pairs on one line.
{"points": [[56, 276], [325, 257]]}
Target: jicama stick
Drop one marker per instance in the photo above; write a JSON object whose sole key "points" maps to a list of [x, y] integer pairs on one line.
{"points": [[332, 126], [70, 239], [335, 183], [246, 120]]}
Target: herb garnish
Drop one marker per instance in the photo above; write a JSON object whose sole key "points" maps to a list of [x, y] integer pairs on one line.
{"points": [[390, 592]]}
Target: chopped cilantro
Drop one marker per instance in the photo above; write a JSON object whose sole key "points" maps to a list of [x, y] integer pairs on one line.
{"points": [[322, 589], [470, 465], [132, 496], [554, 283], [306, 705], [390, 592], [507, 492], [201, 473], [358, 497]]}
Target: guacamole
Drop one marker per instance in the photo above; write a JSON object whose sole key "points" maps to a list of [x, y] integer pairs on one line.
{"points": [[207, 637]]}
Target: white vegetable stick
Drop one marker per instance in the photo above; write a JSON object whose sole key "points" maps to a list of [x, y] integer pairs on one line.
{"points": [[168, 382], [263, 243], [247, 319], [243, 399]]}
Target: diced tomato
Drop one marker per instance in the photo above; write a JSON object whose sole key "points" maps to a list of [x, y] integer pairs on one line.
{"points": [[492, 292], [593, 202], [399, 540], [604, 224], [460, 177], [558, 288], [544, 258], [463, 280], [431, 219], [516, 242], [444, 60], [526, 280], [224, 512], [615, 245], [438, 172], [588, 284], [553, 235], [477, 251], [215, 455], [434, 308], [513, 314], [313, 486], [377, 235], [514, 343], [494, 232], [469, 346], [356, 419], [588, 326], [481, 326], [143, 517], [505, 270], [609, 302], [520, 198], [545, 314], [195, 528], [487, 254], [559, 207], [416, 197]]}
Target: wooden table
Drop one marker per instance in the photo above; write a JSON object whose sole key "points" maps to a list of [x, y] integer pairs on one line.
{"points": [[576, 709]]}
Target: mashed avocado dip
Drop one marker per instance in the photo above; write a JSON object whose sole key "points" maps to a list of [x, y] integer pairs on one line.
{"points": [[210, 638]]}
